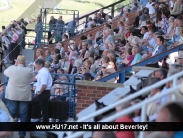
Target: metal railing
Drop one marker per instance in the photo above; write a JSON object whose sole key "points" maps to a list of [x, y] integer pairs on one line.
{"points": [[174, 89], [121, 74]]}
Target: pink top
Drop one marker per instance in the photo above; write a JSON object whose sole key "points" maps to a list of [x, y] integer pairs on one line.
{"points": [[130, 58], [15, 38]]}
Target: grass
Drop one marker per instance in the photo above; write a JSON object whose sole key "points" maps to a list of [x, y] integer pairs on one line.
{"points": [[19, 6]]}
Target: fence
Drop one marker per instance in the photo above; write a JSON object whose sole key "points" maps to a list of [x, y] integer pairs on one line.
{"points": [[121, 74], [69, 96], [174, 89]]}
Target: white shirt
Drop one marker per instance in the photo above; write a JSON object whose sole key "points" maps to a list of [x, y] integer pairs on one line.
{"points": [[146, 35], [150, 7], [152, 43], [43, 78]]}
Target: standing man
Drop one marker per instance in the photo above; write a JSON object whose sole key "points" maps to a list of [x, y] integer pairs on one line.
{"points": [[43, 87], [18, 91]]}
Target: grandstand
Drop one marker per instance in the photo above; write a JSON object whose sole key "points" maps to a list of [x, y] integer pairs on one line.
{"points": [[113, 66]]}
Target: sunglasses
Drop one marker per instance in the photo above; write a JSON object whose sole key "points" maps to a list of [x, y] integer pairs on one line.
{"points": [[104, 67]]}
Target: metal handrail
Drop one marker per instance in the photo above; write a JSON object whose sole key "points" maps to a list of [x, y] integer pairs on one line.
{"points": [[133, 96], [130, 109], [121, 73]]}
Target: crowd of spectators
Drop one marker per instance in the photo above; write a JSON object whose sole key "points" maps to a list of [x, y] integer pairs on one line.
{"points": [[157, 28]]}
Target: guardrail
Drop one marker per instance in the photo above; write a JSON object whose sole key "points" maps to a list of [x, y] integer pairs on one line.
{"points": [[174, 89], [121, 73]]}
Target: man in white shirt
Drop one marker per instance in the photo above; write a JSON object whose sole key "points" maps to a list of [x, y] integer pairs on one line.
{"points": [[43, 87]]}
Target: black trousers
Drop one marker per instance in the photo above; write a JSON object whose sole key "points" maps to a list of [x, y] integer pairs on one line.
{"points": [[49, 36], [41, 100]]}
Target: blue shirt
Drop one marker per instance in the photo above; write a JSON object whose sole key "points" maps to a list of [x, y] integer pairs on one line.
{"points": [[49, 59], [137, 57], [178, 134], [161, 49], [3, 116], [143, 2]]}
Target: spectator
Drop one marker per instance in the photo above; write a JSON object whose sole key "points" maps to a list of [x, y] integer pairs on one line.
{"points": [[71, 27], [39, 54], [102, 13], [60, 24], [137, 113], [168, 86], [52, 25], [43, 87], [90, 22], [149, 5], [136, 54], [180, 31], [99, 19], [127, 118], [38, 30], [56, 36], [105, 71], [164, 22], [18, 91], [170, 112], [6, 44], [14, 48], [4, 118], [159, 49], [48, 56], [177, 8], [152, 107], [127, 61], [160, 73], [64, 37]]}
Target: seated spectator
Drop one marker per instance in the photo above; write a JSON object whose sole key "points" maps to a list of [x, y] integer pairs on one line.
{"points": [[164, 22], [103, 15], [170, 30], [152, 107], [90, 22], [177, 8], [105, 71], [121, 31], [60, 89], [136, 54], [112, 60], [137, 113], [149, 42], [134, 8], [48, 66], [180, 31], [149, 5], [57, 54], [159, 49], [127, 118], [127, 61], [56, 36], [48, 56], [171, 112], [160, 73], [99, 19], [55, 64], [64, 37], [39, 54]]}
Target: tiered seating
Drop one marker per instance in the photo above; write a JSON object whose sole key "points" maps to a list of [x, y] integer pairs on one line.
{"points": [[131, 16]]}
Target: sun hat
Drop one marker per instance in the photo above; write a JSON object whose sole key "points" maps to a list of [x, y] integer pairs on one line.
{"points": [[20, 58]]}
